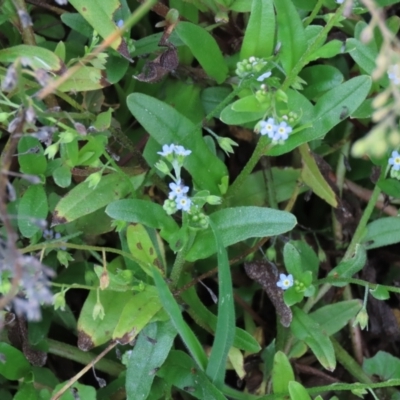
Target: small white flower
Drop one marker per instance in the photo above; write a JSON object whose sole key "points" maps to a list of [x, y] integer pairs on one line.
{"points": [[268, 127], [183, 203], [285, 281], [264, 76], [394, 74], [181, 151], [282, 131], [177, 190], [395, 160], [167, 150]]}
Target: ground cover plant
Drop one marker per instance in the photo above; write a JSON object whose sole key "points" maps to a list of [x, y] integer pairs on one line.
{"points": [[199, 199]]}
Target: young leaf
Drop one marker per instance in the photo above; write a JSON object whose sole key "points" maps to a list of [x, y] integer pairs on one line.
{"points": [[143, 212], [290, 34], [382, 232], [181, 371], [32, 209], [259, 38], [33, 163], [298, 392], [305, 328], [282, 373], [240, 223], [147, 357], [313, 177], [224, 332], [171, 307], [204, 48], [168, 126], [15, 365], [82, 200]]}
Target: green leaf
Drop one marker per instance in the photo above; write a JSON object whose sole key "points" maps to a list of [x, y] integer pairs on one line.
{"points": [[136, 314], [380, 293], [146, 245], [207, 320], [99, 14], [146, 357], [327, 112], [167, 126], [204, 48], [32, 209], [211, 97], [305, 328], [86, 78], [292, 260], [290, 34], [172, 308], [313, 177], [328, 50], [62, 176], [27, 392], [238, 224], [84, 391], [259, 37], [298, 392], [347, 268], [249, 104], [282, 373], [14, 365], [95, 332], [232, 117], [36, 57], [334, 317], [224, 332], [382, 232], [82, 200], [320, 79], [181, 371], [76, 22], [143, 212], [382, 364], [31, 162], [390, 186]]}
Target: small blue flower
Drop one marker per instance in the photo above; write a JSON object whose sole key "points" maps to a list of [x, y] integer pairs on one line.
{"points": [[285, 281], [58, 236], [264, 76], [282, 131], [339, 1], [394, 74], [48, 234], [268, 127], [177, 190], [168, 149], [120, 23], [183, 203], [181, 151], [395, 160]]}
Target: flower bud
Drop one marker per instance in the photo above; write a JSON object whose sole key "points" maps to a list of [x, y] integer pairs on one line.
{"points": [[93, 179], [59, 301], [67, 136], [104, 280], [226, 144], [214, 200], [162, 167], [51, 151], [362, 319], [98, 311]]}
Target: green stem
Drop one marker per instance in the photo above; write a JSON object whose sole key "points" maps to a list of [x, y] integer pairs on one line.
{"points": [[262, 146], [364, 220], [180, 262], [349, 363], [315, 11], [319, 40]]}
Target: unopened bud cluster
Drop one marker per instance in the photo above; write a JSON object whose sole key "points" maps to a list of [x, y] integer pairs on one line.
{"points": [[250, 67]]}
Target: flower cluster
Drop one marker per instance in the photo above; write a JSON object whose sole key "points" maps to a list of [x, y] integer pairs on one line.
{"points": [[285, 281], [394, 74], [177, 197], [277, 132], [250, 67], [394, 161]]}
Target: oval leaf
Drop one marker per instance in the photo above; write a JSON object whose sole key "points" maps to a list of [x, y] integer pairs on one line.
{"points": [[204, 48], [240, 223], [382, 232], [82, 200]]}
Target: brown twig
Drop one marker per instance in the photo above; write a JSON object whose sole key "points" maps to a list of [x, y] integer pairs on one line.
{"points": [[83, 371]]}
